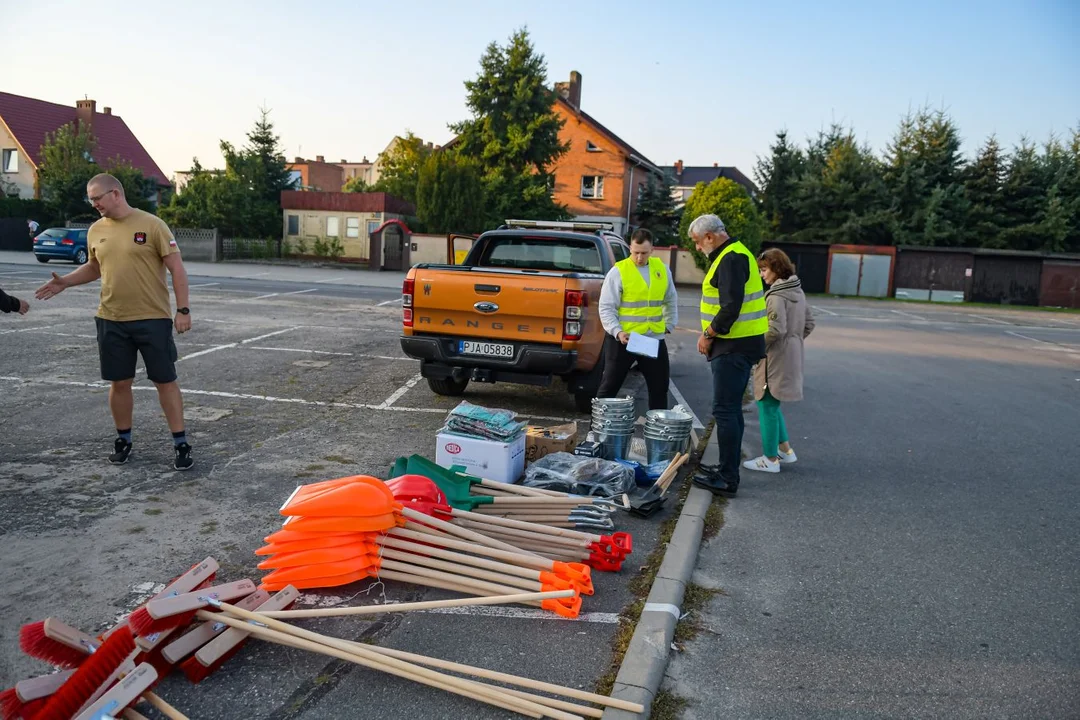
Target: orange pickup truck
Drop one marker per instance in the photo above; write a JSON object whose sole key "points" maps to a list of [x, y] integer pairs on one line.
{"points": [[521, 308]]}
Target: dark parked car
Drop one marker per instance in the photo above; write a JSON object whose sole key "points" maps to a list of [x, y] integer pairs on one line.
{"points": [[61, 244]]}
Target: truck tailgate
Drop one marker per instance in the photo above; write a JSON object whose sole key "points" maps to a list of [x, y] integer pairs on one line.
{"points": [[514, 305]]}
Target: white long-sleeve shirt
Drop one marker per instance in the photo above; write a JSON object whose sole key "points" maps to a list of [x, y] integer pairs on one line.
{"points": [[611, 298]]}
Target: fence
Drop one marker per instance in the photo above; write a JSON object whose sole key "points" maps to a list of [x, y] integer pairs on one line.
{"points": [[249, 249]]}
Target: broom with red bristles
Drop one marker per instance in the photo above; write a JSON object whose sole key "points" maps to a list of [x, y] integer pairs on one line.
{"points": [[88, 679]]}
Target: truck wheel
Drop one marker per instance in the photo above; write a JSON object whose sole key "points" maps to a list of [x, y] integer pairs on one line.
{"points": [[583, 401], [447, 386]]}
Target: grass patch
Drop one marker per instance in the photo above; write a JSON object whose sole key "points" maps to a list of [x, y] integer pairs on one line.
{"points": [[95, 476], [153, 511], [694, 601], [714, 518], [313, 468], [208, 527], [153, 498], [339, 460], [667, 706], [304, 475], [135, 530], [628, 620]]}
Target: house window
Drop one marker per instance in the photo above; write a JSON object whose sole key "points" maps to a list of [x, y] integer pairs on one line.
{"points": [[294, 225], [591, 147], [372, 226], [352, 227], [332, 226], [11, 160], [592, 186]]}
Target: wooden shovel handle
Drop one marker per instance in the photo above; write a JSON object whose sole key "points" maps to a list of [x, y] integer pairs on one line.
{"points": [[365, 656], [459, 558], [419, 606], [584, 538]]}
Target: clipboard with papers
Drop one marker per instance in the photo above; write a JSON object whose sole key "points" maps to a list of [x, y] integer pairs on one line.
{"points": [[643, 345]]}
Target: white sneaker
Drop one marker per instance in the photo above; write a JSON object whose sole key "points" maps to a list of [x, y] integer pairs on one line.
{"points": [[762, 464], [786, 458]]}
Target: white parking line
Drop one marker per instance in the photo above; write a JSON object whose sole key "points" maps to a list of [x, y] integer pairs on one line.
{"points": [[827, 312], [98, 385], [984, 317], [303, 350], [389, 302], [682, 401], [402, 390], [207, 351], [330, 280], [31, 329], [263, 337], [203, 285], [1049, 345], [19, 272], [300, 292], [263, 297], [901, 312]]}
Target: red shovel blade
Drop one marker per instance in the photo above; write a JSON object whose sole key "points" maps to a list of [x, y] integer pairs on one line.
{"points": [[418, 493]]}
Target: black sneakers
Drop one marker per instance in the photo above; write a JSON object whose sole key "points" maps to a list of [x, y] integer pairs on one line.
{"points": [[122, 451], [183, 457]]}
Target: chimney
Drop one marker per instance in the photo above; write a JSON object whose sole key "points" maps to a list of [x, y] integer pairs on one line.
{"points": [[571, 91], [365, 160], [106, 110], [297, 160], [344, 161], [678, 167], [84, 112], [320, 158], [716, 164]]}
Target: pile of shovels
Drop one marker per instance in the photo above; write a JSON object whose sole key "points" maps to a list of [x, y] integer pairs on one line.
{"points": [[198, 625], [534, 505], [344, 530], [653, 498]]}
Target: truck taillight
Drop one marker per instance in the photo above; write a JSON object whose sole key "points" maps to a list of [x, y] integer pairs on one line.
{"points": [[407, 302], [573, 310]]}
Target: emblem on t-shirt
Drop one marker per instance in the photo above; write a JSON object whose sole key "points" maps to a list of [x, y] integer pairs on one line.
{"points": [[140, 238]]}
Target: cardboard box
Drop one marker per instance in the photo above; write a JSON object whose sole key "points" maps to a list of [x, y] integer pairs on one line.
{"points": [[490, 459], [541, 441]]}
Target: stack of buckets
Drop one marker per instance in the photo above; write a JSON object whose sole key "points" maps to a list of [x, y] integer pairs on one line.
{"points": [[667, 433], [613, 422]]}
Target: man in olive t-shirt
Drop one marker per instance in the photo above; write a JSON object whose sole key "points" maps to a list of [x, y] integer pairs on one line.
{"points": [[130, 250]]}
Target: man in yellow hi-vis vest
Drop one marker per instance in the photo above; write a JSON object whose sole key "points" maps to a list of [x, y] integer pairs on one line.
{"points": [[638, 296], [733, 326]]}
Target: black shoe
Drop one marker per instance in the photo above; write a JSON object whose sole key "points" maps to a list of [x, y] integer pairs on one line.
{"points": [[715, 485], [122, 451], [183, 457]]}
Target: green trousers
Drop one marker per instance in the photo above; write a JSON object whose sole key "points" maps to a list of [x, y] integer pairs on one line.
{"points": [[773, 429]]}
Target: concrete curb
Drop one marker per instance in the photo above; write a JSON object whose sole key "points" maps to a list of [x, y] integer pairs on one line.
{"points": [[646, 658]]}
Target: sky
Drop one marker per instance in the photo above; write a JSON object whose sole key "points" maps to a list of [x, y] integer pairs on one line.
{"points": [[704, 82]]}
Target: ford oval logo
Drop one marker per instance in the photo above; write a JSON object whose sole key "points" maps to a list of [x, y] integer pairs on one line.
{"points": [[486, 307]]}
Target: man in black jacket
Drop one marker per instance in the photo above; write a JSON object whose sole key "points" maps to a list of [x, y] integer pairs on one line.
{"points": [[734, 323], [9, 304]]}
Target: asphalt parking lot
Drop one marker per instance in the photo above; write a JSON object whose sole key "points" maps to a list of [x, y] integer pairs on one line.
{"points": [[283, 384]]}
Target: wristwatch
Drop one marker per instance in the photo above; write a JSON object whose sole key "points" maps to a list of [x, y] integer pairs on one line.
{"points": [[705, 332], [183, 311]]}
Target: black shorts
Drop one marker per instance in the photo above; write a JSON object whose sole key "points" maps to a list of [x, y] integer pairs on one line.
{"points": [[119, 342]]}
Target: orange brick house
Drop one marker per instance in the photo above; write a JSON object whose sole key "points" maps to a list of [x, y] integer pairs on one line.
{"points": [[600, 177]]}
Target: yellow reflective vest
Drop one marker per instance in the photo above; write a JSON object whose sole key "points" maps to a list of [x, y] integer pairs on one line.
{"points": [[642, 306], [753, 318]]}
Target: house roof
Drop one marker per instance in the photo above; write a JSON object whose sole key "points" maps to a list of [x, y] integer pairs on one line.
{"points": [[691, 176], [29, 120], [627, 147], [345, 202]]}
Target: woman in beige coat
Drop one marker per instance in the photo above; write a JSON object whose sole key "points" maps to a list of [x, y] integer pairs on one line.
{"points": [[779, 377]]}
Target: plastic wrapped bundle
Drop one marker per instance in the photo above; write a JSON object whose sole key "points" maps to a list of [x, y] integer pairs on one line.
{"points": [[475, 421], [579, 475]]}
